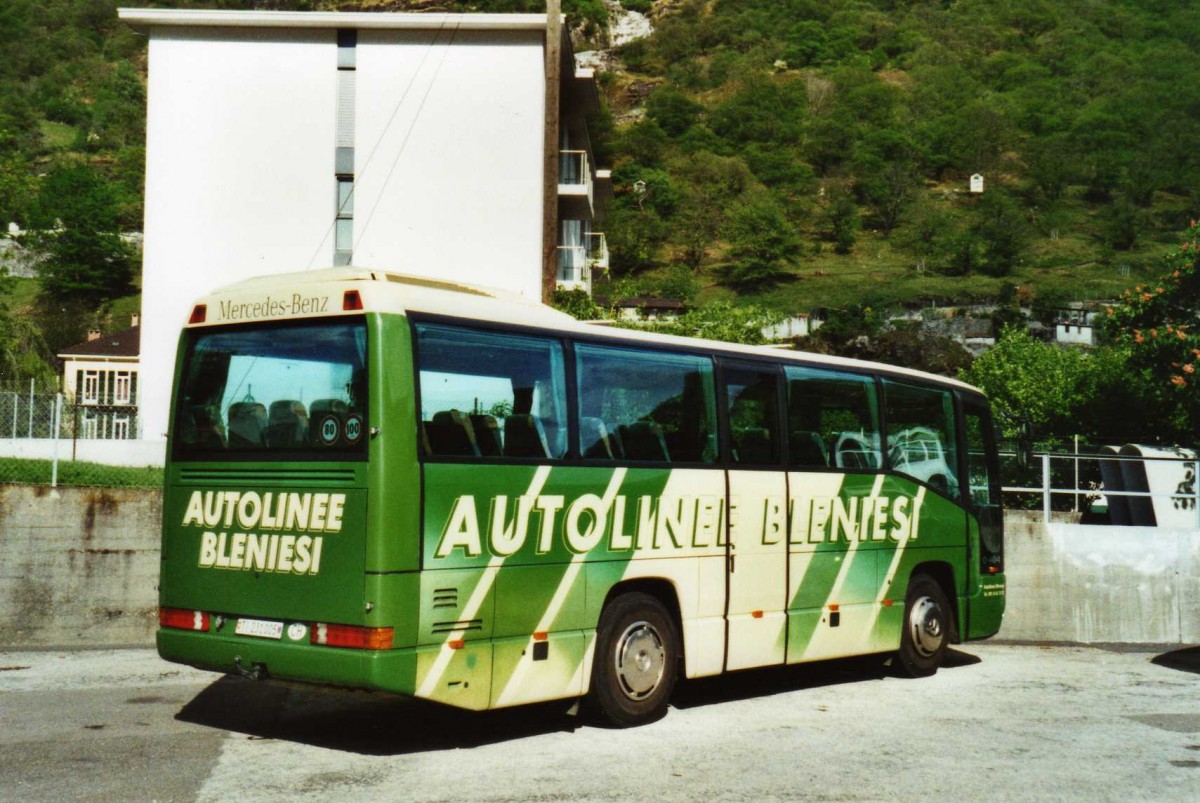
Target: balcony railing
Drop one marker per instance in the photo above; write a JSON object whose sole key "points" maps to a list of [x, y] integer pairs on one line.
{"points": [[574, 174], [597, 250], [574, 272]]}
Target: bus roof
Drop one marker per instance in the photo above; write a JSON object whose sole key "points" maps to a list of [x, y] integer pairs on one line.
{"points": [[325, 292]]}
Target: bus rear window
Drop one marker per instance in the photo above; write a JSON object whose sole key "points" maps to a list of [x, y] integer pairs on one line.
{"points": [[272, 392]]}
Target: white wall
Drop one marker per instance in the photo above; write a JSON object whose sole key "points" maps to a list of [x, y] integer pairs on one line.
{"points": [[109, 452], [239, 174], [449, 155], [240, 165]]}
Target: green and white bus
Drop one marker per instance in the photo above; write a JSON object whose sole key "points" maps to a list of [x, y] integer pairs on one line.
{"points": [[387, 482]]}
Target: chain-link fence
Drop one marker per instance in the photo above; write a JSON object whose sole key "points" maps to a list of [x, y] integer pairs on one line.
{"points": [[49, 438]]}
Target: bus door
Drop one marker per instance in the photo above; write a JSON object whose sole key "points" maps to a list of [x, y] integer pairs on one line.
{"points": [[756, 618], [834, 457]]}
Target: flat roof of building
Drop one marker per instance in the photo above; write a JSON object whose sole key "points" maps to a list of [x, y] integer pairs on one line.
{"points": [[156, 17]]}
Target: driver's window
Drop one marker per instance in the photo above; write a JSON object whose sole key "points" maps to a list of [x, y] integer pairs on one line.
{"points": [[921, 435], [832, 420]]}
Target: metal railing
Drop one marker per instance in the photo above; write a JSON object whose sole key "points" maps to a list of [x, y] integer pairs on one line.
{"points": [[573, 266], [48, 438], [597, 250], [575, 173], [1084, 484]]}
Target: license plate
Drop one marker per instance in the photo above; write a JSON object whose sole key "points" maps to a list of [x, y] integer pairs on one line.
{"points": [[259, 628]]}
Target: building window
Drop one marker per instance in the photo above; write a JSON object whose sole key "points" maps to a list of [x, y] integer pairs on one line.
{"points": [[120, 429], [91, 387], [123, 388]]}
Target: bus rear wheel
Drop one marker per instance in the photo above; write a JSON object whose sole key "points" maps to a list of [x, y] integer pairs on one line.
{"points": [[636, 662], [926, 632]]}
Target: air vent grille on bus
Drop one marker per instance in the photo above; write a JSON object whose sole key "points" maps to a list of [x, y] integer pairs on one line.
{"points": [[445, 597], [450, 627], [268, 476]]}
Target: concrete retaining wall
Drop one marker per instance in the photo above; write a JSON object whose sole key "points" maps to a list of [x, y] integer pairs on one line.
{"points": [[1096, 584], [80, 566]]}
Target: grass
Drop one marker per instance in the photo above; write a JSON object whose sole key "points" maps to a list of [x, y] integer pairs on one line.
{"points": [[57, 136], [1075, 266], [38, 472]]}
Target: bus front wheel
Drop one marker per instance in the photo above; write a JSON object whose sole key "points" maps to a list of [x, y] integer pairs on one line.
{"points": [[926, 628], [637, 656]]}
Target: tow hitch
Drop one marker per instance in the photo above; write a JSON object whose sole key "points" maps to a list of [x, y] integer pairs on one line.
{"points": [[256, 670]]}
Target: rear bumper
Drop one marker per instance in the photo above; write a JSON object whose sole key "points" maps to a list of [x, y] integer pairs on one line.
{"points": [[383, 670]]}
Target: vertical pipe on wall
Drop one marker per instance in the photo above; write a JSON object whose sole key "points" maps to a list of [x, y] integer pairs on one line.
{"points": [[553, 54]]}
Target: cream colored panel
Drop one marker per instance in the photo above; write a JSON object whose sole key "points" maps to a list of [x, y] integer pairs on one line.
{"points": [[757, 568]]}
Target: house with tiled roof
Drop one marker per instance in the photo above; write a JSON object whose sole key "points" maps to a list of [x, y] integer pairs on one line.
{"points": [[100, 375]]}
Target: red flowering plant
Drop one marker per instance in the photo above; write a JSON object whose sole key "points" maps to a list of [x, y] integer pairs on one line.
{"points": [[1159, 324]]}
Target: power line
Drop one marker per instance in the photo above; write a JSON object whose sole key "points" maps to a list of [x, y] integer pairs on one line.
{"points": [[383, 133]]}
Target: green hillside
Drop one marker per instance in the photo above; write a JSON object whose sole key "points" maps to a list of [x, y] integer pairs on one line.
{"points": [[854, 127], [793, 153]]}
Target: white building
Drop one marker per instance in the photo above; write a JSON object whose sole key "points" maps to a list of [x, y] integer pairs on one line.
{"points": [[1076, 327], [100, 375], [430, 144]]}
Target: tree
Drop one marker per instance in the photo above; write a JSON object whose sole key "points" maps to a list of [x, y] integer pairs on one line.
{"points": [[1032, 382], [673, 111], [1159, 324], [1002, 230], [761, 244], [87, 261], [841, 215], [711, 186], [22, 351]]}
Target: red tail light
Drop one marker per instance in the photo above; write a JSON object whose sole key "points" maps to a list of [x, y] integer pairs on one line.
{"points": [[199, 313], [182, 619], [356, 638], [351, 301]]}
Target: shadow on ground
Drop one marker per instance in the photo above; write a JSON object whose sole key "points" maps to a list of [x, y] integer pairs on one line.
{"points": [[1185, 660], [378, 724], [766, 682]]}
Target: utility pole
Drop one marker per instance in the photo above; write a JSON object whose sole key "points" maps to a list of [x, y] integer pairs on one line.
{"points": [[553, 49]]}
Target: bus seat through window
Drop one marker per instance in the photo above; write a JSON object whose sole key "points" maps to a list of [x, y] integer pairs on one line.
{"points": [[524, 436], [808, 449], [593, 438], [487, 434], [247, 425], [450, 433], [753, 446], [287, 423], [644, 442]]}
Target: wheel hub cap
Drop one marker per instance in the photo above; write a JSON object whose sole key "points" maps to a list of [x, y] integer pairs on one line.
{"points": [[640, 660], [925, 624]]}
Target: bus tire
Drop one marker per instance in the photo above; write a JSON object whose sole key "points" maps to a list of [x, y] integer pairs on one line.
{"points": [[635, 664], [926, 628]]}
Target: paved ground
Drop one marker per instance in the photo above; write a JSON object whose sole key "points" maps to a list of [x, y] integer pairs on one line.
{"points": [[1004, 721]]}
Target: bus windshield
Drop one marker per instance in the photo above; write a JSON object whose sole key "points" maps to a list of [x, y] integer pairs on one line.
{"points": [[273, 391]]}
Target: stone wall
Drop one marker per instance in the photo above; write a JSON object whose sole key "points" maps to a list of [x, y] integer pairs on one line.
{"points": [[79, 566]]}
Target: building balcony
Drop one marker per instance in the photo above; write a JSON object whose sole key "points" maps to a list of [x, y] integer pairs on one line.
{"points": [[576, 190], [574, 272], [597, 250]]}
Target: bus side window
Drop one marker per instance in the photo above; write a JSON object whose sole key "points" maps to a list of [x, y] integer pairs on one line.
{"points": [[921, 434], [645, 406], [490, 395], [832, 419]]}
